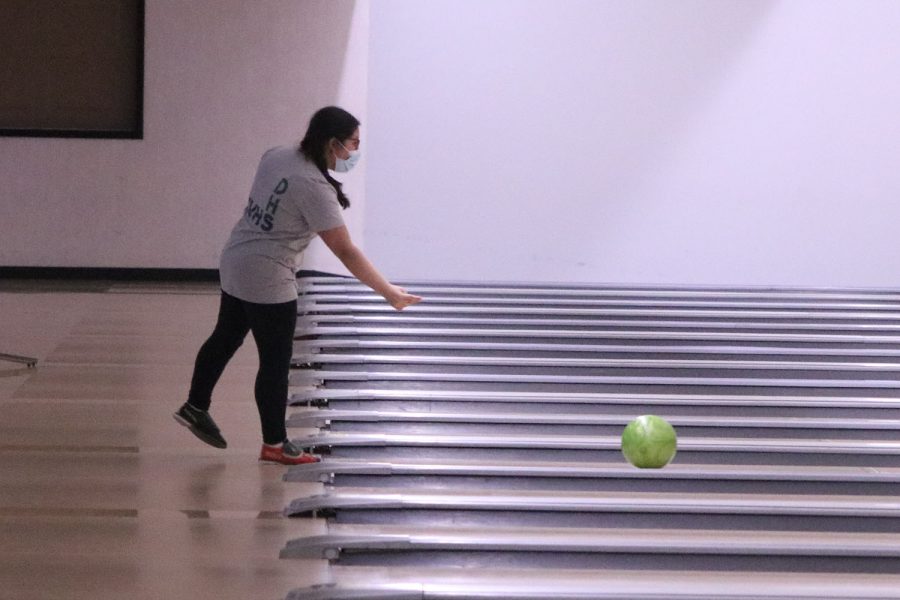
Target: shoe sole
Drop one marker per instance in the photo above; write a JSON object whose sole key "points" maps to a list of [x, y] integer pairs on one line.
{"points": [[199, 434]]}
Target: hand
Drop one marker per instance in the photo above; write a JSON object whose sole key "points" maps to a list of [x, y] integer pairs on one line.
{"points": [[400, 299]]}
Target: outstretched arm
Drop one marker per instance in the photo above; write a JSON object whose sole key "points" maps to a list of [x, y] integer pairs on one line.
{"points": [[339, 242]]}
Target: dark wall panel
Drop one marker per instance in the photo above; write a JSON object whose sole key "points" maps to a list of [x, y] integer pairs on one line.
{"points": [[71, 68]]}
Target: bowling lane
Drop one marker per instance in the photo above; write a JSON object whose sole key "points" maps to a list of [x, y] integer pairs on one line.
{"points": [[481, 430]]}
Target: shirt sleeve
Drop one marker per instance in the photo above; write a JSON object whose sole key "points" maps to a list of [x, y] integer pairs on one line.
{"points": [[321, 208]]}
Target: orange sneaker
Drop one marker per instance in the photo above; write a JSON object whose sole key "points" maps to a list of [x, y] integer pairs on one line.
{"points": [[286, 454]]}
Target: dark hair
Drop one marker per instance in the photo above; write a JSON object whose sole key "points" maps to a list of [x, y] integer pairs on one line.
{"points": [[329, 122]]}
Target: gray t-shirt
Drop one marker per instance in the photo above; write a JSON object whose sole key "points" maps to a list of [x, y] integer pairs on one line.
{"points": [[290, 202]]}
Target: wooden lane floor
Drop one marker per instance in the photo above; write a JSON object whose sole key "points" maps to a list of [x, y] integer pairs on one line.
{"points": [[490, 473], [102, 495], [312, 285], [405, 583]]}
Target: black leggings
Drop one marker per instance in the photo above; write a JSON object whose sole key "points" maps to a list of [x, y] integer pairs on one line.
{"points": [[273, 330]]}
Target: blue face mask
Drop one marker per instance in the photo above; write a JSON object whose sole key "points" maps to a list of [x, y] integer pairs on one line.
{"points": [[342, 165]]}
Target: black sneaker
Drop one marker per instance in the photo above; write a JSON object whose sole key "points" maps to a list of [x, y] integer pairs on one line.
{"points": [[201, 425]]}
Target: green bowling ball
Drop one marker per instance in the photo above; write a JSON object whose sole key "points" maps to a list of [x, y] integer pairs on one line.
{"points": [[649, 442]]}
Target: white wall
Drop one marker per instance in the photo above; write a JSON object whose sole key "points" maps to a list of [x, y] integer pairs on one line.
{"points": [[353, 96], [224, 80], [648, 141]]}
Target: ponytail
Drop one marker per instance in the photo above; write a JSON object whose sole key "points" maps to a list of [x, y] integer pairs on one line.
{"points": [[329, 122]]}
